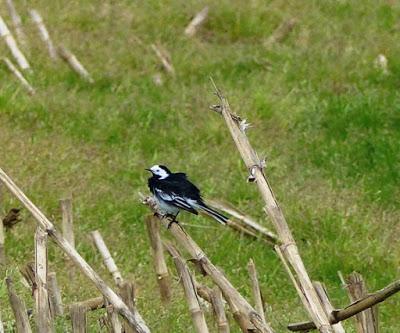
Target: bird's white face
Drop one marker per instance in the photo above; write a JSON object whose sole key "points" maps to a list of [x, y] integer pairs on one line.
{"points": [[160, 172]]}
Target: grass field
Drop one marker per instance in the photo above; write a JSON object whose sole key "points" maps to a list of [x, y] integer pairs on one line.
{"points": [[325, 117]]}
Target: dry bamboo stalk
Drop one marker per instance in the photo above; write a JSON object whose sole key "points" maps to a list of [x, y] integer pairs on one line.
{"points": [[127, 293], [18, 308], [246, 221], [367, 320], [186, 278], [12, 45], [1, 325], [281, 32], [42, 220], [219, 312], [17, 23], [90, 304], [289, 247], [112, 318], [255, 286], [163, 280], [44, 34], [56, 306], [219, 279], [14, 70], [74, 63], [107, 258], [323, 296], [2, 238], [165, 61], [354, 308], [196, 22], [203, 292], [67, 220], [78, 318], [44, 319]]}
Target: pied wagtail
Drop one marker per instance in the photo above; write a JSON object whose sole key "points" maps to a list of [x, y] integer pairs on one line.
{"points": [[173, 192]]}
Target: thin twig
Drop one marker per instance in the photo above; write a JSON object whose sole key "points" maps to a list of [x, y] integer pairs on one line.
{"points": [[14, 70]]}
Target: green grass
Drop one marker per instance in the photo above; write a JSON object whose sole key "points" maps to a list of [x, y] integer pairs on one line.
{"points": [[325, 117]]}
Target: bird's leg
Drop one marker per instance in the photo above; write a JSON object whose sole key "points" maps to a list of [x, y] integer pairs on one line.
{"points": [[173, 219]]}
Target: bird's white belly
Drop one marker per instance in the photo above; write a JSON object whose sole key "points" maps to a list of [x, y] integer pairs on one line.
{"points": [[166, 208]]}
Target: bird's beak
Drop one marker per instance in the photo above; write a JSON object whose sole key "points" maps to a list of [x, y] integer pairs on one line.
{"points": [[148, 170]]}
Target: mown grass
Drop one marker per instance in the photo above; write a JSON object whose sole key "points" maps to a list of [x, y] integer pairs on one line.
{"points": [[325, 117]]}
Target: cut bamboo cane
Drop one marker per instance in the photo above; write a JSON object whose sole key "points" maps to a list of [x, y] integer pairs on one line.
{"points": [[107, 292], [12, 45], [367, 320], [113, 320], [186, 278], [78, 318], [289, 248], [281, 32], [74, 63], [2, 238], [18, 308], [219, 279], [44, 319], [90, 304], [107, 258], [197, 21], [354, 308], [67, 220], [219, 312], [164, 58], [14, 70], [160, 267], [44, 34], [255, 286], [1, 325], [56, 306], [17, 23], [246, 221], [323, 296], [127, 293]]}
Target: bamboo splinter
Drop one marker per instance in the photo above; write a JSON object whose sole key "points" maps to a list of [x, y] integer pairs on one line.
{"points": [[74, 63], [289, 248], [44, 34], [107, 292], [255, 286], [18, 75]]}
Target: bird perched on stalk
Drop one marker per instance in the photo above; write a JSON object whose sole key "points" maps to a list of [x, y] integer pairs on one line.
{"points": [[173, 192]]}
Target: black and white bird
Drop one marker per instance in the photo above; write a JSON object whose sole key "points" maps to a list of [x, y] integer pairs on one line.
{"points": [[173, 192]]}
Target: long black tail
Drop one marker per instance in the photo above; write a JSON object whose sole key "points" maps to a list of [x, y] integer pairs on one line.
{"points": [[213, 213]]}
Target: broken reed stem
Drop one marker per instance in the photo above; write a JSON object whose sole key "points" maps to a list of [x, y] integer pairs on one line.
{"points": [[107, 258], [197, 21], [14, 70], [12, 45], [78, 318], [56, 306], [74, 63], [107, 292], [289, 248], [189, 288], [367, 320], [245, 221], [113, 320], [18, 308], [127, 293], [44, 34], [44, 319], [2, 238], [219, 279], [16, 20], [255, 286], [281, 32], [160, 266], [219, 312], [164, 58], [67, 224], [324, 298], [354, 308]]}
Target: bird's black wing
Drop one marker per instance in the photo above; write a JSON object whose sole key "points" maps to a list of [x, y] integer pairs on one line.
{"points": [[178, 191]]}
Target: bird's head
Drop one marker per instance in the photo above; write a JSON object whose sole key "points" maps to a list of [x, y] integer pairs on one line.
{"points": [[160, 171]]}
